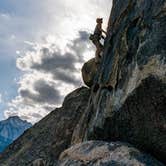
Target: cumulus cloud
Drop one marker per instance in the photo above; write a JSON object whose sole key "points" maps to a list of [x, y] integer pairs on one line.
{"points": [[51, 60], [43, 93], [52, 46], [60, 18], [49, 74]]}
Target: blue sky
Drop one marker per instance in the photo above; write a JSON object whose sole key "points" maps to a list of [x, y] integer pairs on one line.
{"points": [[40, 43]]}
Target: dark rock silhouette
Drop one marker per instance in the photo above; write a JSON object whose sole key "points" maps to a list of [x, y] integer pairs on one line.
{"points": [[49, 137], [130, 103], [141, 119]]}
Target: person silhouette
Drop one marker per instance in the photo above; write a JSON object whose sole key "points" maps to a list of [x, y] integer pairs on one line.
{"points": [[96, 37]]}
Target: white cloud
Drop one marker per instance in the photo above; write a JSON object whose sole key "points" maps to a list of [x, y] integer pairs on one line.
{"points": [[61, 19], [50, 74], [51, 50], [0, 98], [5, 16]]}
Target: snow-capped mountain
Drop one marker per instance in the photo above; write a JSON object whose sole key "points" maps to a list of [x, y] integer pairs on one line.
{"points": [[10, 129]]}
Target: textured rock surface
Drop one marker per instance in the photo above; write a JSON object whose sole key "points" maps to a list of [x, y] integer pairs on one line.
{"points": [[89, 70], [48, 138], [96, 153], [39, 162], [130, 103]]}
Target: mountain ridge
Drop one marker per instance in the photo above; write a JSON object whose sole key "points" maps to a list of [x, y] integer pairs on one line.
{"points": [[11, 129], [51, 135]]}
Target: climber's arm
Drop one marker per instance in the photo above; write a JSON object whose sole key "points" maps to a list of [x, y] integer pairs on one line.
{"points": [[103, 37], [104, 32]]}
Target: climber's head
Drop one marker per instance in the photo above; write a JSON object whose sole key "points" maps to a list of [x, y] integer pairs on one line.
{"points": [[99, 20]]}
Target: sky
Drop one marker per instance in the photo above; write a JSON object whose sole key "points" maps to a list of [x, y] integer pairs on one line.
{"points": [[43, 45]]}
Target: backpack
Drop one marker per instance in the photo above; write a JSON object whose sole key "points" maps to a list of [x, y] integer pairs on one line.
{"points": [[91, 37]]}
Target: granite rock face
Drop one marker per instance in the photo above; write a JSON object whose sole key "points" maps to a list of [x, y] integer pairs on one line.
{"points": [[49, 137], [130, 101], [89, 71], [136, 44], [98, 153]]}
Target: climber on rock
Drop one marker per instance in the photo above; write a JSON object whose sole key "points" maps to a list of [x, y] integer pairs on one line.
{"points": [[96, 37]]}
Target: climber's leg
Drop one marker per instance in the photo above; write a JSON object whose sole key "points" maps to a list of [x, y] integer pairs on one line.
{"points": [[99, 49], [97, 56]]}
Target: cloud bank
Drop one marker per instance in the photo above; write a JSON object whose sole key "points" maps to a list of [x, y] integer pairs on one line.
{"points": [[49, 74], [52, 45]]}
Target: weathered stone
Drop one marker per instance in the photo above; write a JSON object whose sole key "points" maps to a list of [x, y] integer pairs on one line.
{"points": [[98, 153], [130, 103], [49, 137], [89, 70], [141, 119]]}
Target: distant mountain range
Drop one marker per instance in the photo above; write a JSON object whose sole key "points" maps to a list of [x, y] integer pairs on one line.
{"points": [[11, 129]]}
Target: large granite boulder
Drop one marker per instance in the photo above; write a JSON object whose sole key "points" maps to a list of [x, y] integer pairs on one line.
{"points": [[48, 138], [89, 70], [130, 103], [98, 153]]}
